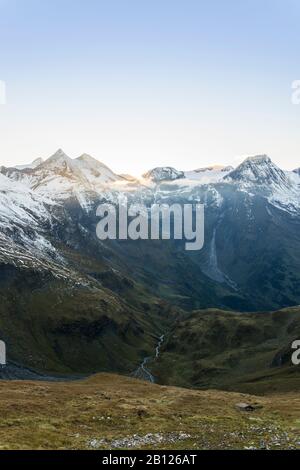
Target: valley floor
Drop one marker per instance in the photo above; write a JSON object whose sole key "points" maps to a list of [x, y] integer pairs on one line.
{"points": [[114, 412]]}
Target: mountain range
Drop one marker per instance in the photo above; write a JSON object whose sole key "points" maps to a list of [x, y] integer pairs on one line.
{"points": [[73, 304]]}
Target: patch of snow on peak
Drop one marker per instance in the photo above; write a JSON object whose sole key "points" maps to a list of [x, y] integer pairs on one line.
{"points": [[166, 173], [208, 175]]}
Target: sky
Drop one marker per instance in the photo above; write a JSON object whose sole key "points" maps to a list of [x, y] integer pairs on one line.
{"points": [[139, 84]]}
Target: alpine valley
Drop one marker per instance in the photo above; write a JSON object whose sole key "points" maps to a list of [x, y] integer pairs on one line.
{"points": [[222, 317]]}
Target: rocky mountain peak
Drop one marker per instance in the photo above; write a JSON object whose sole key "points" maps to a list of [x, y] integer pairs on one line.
{"points": [[166, 173], [259, 170], [59, 157]]}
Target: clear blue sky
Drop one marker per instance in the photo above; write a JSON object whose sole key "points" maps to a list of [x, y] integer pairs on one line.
{"points": [[143, 83]]}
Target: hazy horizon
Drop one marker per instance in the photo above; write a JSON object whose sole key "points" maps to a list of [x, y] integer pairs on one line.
{"points": [[183, 84]]}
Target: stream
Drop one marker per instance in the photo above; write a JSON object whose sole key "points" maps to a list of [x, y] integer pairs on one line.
{"points": [[142, 372]]}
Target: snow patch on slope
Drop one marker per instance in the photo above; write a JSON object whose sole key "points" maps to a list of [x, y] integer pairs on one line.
{"points": [[208, 175]]}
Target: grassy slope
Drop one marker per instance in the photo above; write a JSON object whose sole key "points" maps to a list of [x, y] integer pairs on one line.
{"points": [[232, 351], [56, 327], [94, 413]]}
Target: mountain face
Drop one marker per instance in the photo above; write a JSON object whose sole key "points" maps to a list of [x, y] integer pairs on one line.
{"points": [[25, 218], [64, 288], [63, 179]]}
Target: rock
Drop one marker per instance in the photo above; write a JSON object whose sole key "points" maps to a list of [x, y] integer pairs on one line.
{"points": [[149, 439], [263, 445], [244, 407], [142, 413], [96, 443]]}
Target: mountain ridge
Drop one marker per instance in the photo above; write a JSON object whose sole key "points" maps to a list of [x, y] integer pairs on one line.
{"points": [[61, 155], [62, 286]]}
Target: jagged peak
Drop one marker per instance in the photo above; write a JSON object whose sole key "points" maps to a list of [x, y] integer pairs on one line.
{"points": [[91, 161], [258, 159], [59, 155], [59, 160], [259, 170]]}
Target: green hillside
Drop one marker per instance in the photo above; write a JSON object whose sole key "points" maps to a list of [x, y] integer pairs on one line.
{"points": [[248, 352]]}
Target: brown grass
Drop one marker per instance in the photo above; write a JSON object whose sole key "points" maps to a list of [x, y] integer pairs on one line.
{"points": [[69, 415]]}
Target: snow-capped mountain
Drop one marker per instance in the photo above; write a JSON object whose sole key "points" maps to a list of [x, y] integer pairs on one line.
{"points": [[68, 290], [86, 179], [258, 175], [60, 177], [54, 205], [32, 206], [165, 173], [260, 171]]}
